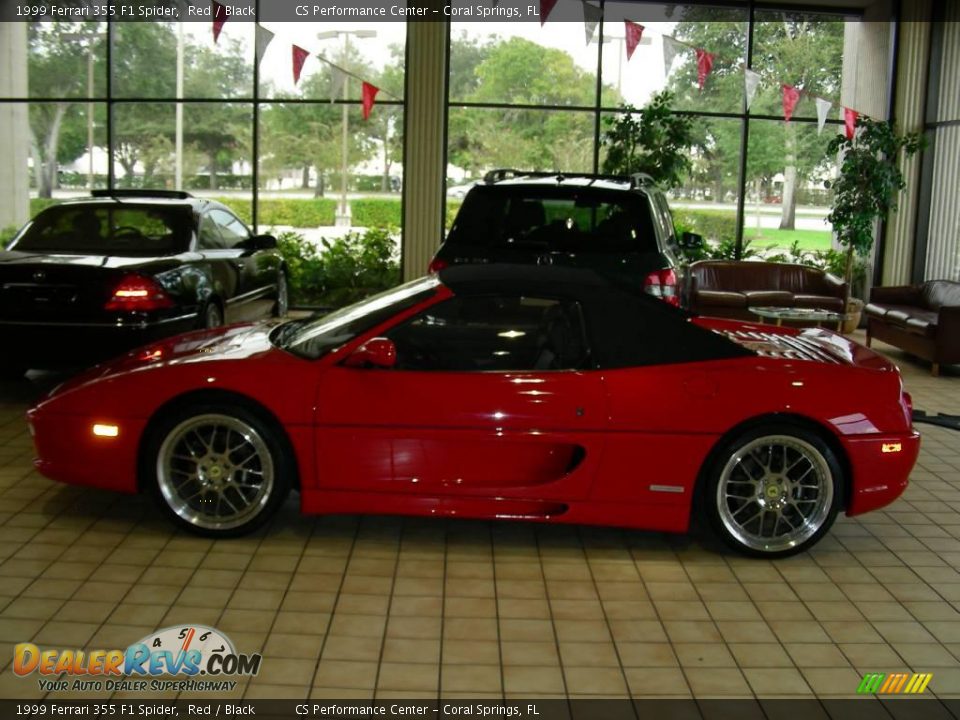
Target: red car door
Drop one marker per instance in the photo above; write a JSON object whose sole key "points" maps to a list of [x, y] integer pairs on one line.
{"points": [[488, 398]]}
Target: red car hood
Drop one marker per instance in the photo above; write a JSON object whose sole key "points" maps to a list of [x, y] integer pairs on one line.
{"points": [[786, 343], [235, 342]]}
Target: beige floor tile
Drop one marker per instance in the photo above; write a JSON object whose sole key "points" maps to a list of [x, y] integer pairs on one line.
{"points": [[717, 682], [470, 652], [531, 680], [345, 674], [713, 655], [760, 655], [595, 680], [423, 678], [832, 681], [589, 654], [777, 681], [665, 682], [464, 678]]}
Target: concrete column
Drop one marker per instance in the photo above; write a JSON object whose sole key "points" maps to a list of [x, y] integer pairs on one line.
{"points": [[424, 171], [14, 126], [911, 91]]}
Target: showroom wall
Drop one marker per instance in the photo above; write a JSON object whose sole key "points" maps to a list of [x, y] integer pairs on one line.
{"points": [[943, 230]]}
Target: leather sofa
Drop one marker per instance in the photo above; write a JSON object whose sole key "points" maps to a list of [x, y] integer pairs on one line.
{"points": [[922, 319], [727, 288]]}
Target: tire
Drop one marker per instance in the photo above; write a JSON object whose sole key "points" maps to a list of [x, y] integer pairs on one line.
{"points": [[218, 470], [282, 305], [774, 491], [212, 316]]}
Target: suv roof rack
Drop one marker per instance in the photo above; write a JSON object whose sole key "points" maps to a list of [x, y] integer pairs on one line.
{"points": [[136, 193], [634, 180]]}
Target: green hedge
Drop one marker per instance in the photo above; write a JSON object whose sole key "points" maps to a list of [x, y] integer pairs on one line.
{"points": [[375, 212], [343, 271], [715, 225], [294, 212]]}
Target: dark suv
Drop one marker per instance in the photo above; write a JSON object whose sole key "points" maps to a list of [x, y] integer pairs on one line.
{"points": [[619, 226]]}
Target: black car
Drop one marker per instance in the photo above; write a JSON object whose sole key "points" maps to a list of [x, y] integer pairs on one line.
{"points": [[91, 278], [618, 226]]}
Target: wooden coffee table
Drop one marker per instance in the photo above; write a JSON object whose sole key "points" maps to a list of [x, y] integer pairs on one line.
{"points": [[806, 315]]}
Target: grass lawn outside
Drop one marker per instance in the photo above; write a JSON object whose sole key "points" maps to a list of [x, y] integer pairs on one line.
{"points": [[775, 238]]}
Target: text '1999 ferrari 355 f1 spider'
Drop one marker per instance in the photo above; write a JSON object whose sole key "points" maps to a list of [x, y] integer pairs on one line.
{"points": [[516, 392]]}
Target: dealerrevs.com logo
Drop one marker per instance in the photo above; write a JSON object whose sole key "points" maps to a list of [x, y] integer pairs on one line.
{"points": [[191, 651]]}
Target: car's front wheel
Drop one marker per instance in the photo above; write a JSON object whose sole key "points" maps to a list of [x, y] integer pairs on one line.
{"points": [[218, 470], [774, 491]]}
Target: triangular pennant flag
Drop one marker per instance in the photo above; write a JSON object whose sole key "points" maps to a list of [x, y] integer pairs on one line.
{"points": [[704, 65], [546, 7], [670, 49], [591, 18], [299, 58], [632, 37], [751, 81], [219, 18], [791, 96], [850, 121], [368, 98], [263, 39], [337, 78], [823, 107]]}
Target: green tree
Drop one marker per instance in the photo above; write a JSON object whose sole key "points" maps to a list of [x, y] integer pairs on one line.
{"points": [[800, 49], [57, 65], [652, 140]]}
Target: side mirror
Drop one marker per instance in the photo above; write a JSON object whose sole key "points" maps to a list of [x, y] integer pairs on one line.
{"points": [[261, 242], [377, 352], [691, 241]]}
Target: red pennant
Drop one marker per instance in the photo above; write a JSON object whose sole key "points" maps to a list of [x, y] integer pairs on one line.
{"points": [[219, 18], [369, 96], [299, 58], [704, 65], [791, 96], [850, 120], [633, 34], [546, 7]]}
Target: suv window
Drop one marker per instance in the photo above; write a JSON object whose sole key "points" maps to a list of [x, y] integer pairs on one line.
{"points": [[208, 236], [543, 219], [493, 333]]}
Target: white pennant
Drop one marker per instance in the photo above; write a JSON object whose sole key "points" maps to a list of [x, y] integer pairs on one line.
{"points": [[263, 39], [591, 18], [337, 78], [751, 81], [823, 107], [670, 49]]}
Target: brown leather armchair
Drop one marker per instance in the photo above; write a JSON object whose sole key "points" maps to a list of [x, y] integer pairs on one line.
{"points": [[922, 319], [727, 288]]}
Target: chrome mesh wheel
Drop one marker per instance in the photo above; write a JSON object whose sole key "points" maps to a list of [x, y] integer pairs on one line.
{"points": [[774, 493], [215, 471]]}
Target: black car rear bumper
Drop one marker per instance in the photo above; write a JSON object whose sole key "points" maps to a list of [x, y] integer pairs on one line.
{"points": [[65, 345]]}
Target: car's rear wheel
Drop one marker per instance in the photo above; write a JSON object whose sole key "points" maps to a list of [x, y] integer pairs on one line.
{"points": [[218, 470], [774, 491], [212, 316], [282, 305]]}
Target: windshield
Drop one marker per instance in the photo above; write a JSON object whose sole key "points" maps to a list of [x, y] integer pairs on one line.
{"points": [[122, 230], [315, 338], [547, 219]]}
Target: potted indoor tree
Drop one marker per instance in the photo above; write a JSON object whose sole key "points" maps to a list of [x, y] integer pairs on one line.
{"points": [[865, 191]]}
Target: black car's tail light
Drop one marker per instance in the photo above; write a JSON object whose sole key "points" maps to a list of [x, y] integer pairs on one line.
{"points": [[138, 293]]}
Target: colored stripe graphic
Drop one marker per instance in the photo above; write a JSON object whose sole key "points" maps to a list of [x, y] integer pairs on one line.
{"points": [[912, 683]]}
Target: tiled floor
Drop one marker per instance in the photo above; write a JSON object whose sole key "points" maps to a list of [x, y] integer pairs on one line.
{"points": [[386, 607]]}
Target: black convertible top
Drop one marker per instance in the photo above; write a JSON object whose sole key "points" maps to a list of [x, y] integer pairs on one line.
{"points": [[626, 326]]}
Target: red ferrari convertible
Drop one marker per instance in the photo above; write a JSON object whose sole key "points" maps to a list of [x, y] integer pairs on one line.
{"points": [[535, 393]]}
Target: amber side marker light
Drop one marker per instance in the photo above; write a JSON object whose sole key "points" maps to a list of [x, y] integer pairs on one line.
{"points": [[891, 447], [111, 431]]}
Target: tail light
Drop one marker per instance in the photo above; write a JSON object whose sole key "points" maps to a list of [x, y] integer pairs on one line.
{"points": [[138, 293], [663, 284], [436, 265]]}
